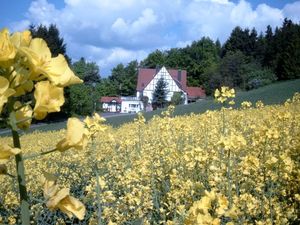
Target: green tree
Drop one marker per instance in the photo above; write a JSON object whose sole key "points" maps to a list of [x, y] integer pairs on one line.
{"points": [[82, 99], [177, 98], [145, 101], [52, 37], [231, 68], [160, 94], [89, 72], [155, 59], [125, 78], [287, 39]]}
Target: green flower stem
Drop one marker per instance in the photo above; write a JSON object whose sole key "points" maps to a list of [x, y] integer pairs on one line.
{"points": [[25, 213], [98, 190], [39, 154], [229, 179], [10, 175]]}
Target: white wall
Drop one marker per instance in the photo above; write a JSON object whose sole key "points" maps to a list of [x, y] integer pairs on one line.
{"points": [[132, 106]]}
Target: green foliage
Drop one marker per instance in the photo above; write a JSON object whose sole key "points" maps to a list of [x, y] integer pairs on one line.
{"points": [[155, 59], [145, 101], [89, 72], [81, 100], [160, 94], [124, 78], [177, 98]]}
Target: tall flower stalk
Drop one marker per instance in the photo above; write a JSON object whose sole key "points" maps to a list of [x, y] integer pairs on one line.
{"points": [[26, 66]]}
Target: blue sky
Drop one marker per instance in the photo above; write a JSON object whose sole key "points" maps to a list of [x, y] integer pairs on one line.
{"points": [[111, 32]]}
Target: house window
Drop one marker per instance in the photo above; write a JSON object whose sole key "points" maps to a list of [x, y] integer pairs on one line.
{"points": [[133, 105]]}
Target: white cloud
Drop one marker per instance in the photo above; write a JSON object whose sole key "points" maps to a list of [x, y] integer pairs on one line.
{"points": [[111, 32], [292, 11]]}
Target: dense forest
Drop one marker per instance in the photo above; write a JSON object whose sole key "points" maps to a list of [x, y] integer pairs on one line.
{"points": [[246, 60]]}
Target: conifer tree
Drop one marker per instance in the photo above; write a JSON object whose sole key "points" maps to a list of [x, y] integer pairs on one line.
{"points": [[160, 93]]}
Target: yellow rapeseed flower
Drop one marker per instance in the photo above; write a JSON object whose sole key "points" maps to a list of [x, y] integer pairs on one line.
{"points": [[5, 91], [24, 113], [6, 152], [60, 74], [7, 49], [76, 137], [49, 98], [61, 199], [41, 63], [21, 39]]}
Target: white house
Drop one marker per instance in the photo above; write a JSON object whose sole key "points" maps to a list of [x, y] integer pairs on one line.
{"points": [[121, 104], [147, 79], [111, 104], [131, 105], [176, 82]]}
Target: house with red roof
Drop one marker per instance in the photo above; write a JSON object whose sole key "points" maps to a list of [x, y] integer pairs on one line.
{"points": [[176, 82], [121, 104], [111, 104], [147, 79]]}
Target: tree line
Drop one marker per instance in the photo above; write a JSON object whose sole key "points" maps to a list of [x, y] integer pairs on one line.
{"points": [[246, 60]]}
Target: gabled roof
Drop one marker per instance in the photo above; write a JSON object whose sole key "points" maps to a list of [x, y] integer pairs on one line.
{"points": [[108, 99], [146, 75], [195, 92]]}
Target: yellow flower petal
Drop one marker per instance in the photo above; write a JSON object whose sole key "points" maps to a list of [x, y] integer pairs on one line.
{"points": [[7, 49], [6, 152], [72, 206], [49, 98]]}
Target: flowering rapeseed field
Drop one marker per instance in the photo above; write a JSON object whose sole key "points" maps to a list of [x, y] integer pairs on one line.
{"points": [[220, 167]]}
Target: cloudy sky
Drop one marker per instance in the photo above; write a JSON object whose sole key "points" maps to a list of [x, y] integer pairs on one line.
{"points": [[109, 32]]}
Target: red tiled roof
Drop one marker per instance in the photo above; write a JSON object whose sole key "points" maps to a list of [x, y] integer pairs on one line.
{"points": [[146, 75], [107, 99], [195, 92]]}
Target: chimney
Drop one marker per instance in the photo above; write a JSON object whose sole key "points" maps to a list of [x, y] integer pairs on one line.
{"points": [[179, 75]]}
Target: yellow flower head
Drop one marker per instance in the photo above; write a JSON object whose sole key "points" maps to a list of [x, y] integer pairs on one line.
{"points": [[23, 113], [7, 49], [94, 124], [246, 104], [49, 98], [21, 39], [224, 94], [38, 57], [5, 91], [60, 74], [61, 199], [76, 137], [41, 63], [6, 152]]}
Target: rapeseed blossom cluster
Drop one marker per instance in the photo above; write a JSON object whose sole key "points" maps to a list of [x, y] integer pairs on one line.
{"points": [[174, 170], [28, 71], [224, 94]]}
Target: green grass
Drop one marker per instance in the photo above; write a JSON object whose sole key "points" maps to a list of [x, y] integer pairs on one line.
{"points": [[272, 94]]}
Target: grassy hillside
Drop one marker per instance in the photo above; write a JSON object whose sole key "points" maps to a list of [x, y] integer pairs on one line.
{"points": [[272, 94]]}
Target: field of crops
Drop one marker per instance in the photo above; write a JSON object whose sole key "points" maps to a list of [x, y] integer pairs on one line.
{"points": [[220, 167]]}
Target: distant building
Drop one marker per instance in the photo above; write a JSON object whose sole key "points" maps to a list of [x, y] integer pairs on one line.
{"points": [[176, 82], [147, 79], [111, 104], [121, 104], [195, 93], [131, 105]]}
